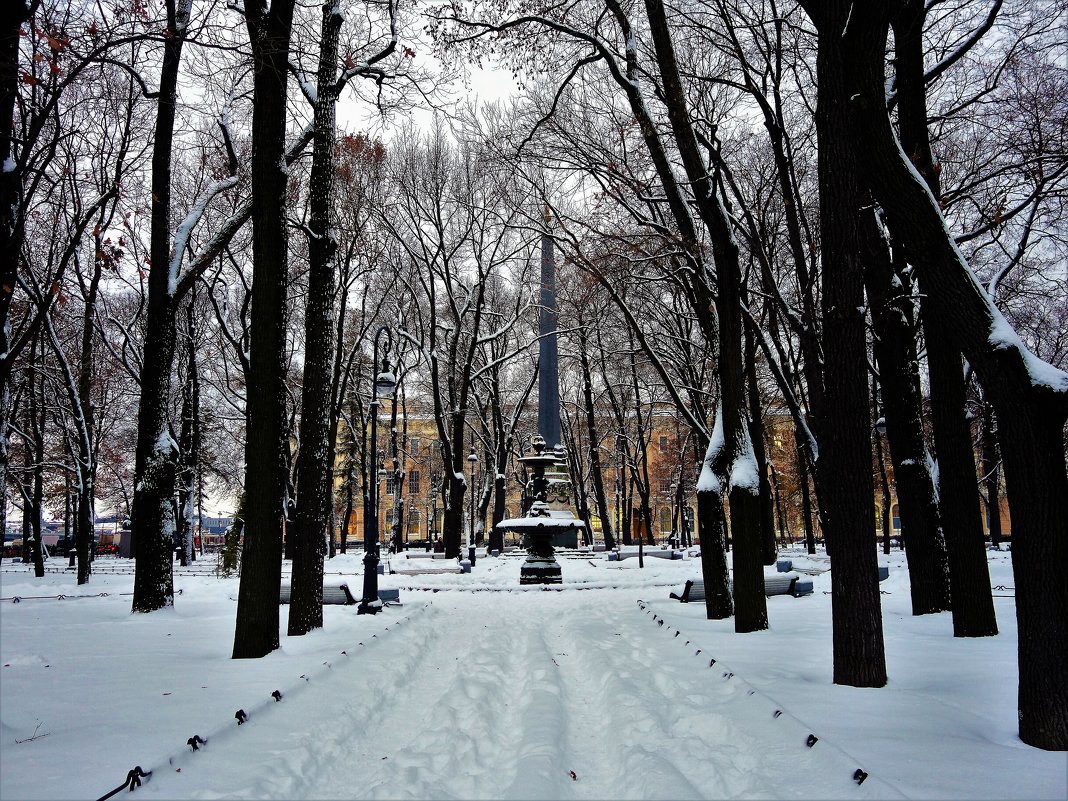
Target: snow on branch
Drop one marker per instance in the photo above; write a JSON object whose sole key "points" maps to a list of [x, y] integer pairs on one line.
{"points": [[185, 230]]}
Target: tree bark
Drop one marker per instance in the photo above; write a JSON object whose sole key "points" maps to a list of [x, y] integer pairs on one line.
{"points": [[719, 604], [12, 225], [768, 551], [232, 539], [958, 493], [806, 500], [991, 469], [884, 483], [890, 301], [36, 499], [596, 470], [154, 468], [843, 469], [266, 473], [1030, 398], [742, 472], [187, 465], [315, 486]]}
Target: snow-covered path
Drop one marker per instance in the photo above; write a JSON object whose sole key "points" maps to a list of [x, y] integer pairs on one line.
{"points": [[488, 689], [493, 695]]}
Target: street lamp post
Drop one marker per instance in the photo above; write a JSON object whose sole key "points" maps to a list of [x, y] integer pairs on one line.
{"points": [[676, 510], [432, 531], [879, 430], [382, 386], [618, 520], [472, 460]]}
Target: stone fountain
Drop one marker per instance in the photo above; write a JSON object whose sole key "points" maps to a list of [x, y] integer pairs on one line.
{"points": [[548, 520], [542, 525]]}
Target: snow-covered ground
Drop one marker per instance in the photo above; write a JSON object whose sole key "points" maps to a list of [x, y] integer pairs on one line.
{"points": [[476, 688]]}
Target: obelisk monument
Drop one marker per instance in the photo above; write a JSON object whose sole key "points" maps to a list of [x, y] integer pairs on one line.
{"points": [[548, 358]]}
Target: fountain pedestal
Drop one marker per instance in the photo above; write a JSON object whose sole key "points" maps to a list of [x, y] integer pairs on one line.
{"points": [[541, 524]]}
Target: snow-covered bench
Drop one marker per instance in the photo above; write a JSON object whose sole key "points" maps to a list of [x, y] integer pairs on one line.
{"points": [[773, 585], [341, 594], [655, 553], [332, 594]]}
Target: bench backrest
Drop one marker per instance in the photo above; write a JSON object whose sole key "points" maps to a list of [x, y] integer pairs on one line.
{"points": [[694, 590], [332, 594]]}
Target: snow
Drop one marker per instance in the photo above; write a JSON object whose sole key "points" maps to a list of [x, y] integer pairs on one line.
{"points": [[744, 471], [1043, 374], [707, 480], [9, 164], [478, 688], [932, 469]]}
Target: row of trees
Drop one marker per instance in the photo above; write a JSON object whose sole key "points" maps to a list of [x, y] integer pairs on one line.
{"points": [[830, 212]]}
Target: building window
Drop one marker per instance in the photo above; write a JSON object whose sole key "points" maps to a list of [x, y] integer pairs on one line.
{"points": [[415, 446], [413, 482], [389, 483], [665, 486], [663, 442]]}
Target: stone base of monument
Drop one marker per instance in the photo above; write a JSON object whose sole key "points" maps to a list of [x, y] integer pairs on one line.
{"points": [[540, 571]]}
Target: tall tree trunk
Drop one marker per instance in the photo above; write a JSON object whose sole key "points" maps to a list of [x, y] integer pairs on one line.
{"points": [[67, 521], [806, 500], [843, 470], [991, 469], [350, 479], [266, 472], [452, 519], [315, 487], [572, 436], [187, 456], [36, 499], [884, 483], [12, 224], [501, 447], [744, 480], [596, 469], [958, 493], [154, 468], [768, 550], [232, 539], [195, 439], [397, 468], [1030, 397], [890, 300], [87, 414], [719, 604]]}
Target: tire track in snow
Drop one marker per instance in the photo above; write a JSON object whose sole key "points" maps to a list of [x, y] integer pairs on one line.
{"points": [[451, 734], [312, 730], [611, 721], [499, 696]]}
